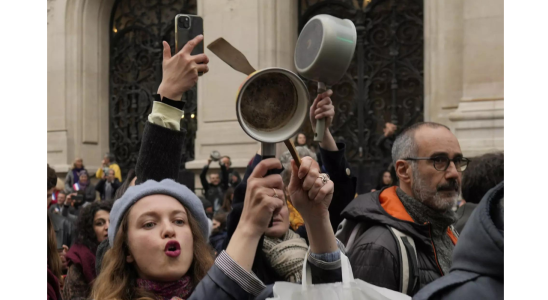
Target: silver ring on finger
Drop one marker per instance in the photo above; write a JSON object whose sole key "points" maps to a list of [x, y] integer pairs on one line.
{"points": [[324, 177], [275, 193]]}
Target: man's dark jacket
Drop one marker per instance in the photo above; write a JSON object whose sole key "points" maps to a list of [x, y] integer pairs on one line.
{"points": [[374, 256], [477, 271]]}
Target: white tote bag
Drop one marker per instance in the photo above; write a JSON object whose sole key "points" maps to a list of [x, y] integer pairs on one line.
{"points": [[348, 289]]}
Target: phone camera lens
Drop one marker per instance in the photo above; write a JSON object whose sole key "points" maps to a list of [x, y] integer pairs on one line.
{"points": [[184, 22]]}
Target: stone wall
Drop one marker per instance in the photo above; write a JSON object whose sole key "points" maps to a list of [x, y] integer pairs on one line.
{"points": [[78, 51], [464, 71], [464, 74]]}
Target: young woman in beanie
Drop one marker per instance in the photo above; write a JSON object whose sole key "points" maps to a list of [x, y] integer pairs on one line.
{"points": [[92, 229], [158, 238]]}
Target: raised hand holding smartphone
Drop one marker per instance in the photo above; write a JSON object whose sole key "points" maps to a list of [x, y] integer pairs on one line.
{"points": [[180, 71]]}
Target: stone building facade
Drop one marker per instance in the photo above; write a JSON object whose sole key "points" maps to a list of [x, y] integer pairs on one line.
{"points": [[463, 74]]}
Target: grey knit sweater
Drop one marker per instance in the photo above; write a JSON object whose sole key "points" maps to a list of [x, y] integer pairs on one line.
{"points": [[439, 223]]}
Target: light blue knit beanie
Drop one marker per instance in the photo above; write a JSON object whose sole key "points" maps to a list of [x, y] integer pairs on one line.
{"points": [[151, 187]]}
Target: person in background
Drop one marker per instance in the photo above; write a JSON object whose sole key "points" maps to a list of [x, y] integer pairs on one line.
{"points": [[385, 142], [232, 176], [300, 140], [84, 187], [130, 181], [73, 175], [218, 234], [227, 201], [384, 180], [214, 189], [104, 246], [54, 264], [56, 208], [92, 230], [477, 271], [429, 164], [234, 179], [108, 185], [208, 207], [483, 173], [72, 207], [108, 163], [54, 261], [63, 227]]}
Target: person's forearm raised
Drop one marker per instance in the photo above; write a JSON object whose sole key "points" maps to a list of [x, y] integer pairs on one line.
{"points": [[259, 206], [311, 193]]}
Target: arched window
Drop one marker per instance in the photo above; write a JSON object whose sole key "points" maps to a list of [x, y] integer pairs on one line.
{"points": [[137, 29]]}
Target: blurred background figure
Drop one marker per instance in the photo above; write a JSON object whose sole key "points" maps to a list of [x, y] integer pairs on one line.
{"points": [[84, 187], [483, 173], [108, 185], [208, 207], [227, 201], [233, 176], [55, 208], [214, 189], [384, 179], [130, 181], [108, 163], [300, 140], [218, 233], [92, 229], [73, 175]]}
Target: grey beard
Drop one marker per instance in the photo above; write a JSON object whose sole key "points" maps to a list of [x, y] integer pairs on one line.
{"points": [[433, 199]]}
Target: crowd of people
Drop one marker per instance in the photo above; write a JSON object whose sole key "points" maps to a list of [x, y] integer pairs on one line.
{"points": [[433, 228]]}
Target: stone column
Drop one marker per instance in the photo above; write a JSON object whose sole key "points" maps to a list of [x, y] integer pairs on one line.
{"points": [[443, 56], [464, 71], [479, 118], [266, 33]]}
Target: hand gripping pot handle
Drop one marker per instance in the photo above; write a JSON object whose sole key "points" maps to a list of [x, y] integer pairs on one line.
{"points": [[346, 270]]}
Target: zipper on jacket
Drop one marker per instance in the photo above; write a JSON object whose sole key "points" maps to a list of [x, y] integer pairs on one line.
{"points": [[432, 241]]}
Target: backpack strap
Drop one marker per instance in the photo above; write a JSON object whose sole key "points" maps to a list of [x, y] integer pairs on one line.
{"points": [[353, 235], [409, 271]]}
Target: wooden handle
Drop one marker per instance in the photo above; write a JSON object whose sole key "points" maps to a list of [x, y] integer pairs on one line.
{"points": [[293, 151]]}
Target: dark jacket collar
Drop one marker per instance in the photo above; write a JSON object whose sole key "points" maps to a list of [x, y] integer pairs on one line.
{"points": [[384, 207]]}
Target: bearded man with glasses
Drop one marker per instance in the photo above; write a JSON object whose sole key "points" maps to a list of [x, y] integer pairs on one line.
{"points": [[401, 237]]}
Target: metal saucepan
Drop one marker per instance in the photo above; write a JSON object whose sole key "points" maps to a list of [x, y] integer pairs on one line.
{"points": [[323, 53]]}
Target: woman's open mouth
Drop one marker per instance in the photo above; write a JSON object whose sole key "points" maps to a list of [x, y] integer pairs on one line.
{"points": [[172, 249]]}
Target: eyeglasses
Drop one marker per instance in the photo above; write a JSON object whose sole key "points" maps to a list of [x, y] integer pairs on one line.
{"points": [[441, 163]]}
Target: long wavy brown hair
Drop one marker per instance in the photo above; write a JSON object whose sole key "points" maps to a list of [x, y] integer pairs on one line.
{"points": [[117, 280], [54, 262]]}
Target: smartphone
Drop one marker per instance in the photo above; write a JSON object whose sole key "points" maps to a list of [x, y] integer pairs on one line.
{"points": [[188, 27]]}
